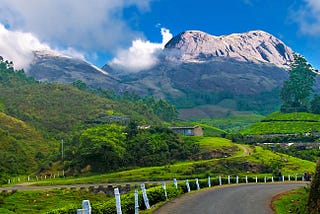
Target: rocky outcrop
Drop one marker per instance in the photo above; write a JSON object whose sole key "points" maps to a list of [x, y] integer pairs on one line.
{"points": [[252, 47]]}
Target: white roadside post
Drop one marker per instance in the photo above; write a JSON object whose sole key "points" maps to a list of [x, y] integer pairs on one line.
{"points": [[118, 200], [136, 202], [144, 195], [265, 179], [9, 181], [272, 179], [220, 180], [86, 208], [209, 182], [237, 179], [197, 184], [256, 179], [228, 179], [165, 189], [246, 179], [282, 178], [289, 178], [296, 178], [188, 186], [175, 183]]}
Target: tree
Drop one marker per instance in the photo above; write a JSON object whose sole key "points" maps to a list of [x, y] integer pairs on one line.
{"points": [[314, 194], [103, 147], [315, 104], [296, 91]]}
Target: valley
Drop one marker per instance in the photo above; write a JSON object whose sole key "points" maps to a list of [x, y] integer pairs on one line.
{"points": [[113, 127]]}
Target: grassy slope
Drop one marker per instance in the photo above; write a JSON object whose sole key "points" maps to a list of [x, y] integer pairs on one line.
{"points": [[41, 201], [19, 144], [259, 161], [281, 123], [292, 202], [233, 123]]}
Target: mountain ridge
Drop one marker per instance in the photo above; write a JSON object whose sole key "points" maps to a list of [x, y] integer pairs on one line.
{"points": [[253, 46], [195, 68]]}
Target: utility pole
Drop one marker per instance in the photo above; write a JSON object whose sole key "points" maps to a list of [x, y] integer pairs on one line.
{"points": [[62, 158], [62, 150]]}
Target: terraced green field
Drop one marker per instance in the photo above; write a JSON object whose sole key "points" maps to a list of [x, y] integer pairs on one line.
{"points": [[280, 123]]}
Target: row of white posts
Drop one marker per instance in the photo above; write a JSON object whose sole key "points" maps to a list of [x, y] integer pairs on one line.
{"points": [[36, 178], [86, 208]]}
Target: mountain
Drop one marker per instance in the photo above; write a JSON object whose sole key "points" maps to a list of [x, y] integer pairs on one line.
{"points": [[208, 76], [204, 75], [253, 46], [50, 66]]}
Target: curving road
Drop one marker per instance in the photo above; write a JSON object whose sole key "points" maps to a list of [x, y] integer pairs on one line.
{"points": [[240, 199]]}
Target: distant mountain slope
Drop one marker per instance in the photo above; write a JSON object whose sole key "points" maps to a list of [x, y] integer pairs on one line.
{"points": [[200, 69], [195, 69], [49, 66]]}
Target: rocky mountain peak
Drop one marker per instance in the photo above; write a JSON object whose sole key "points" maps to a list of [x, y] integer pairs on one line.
{"points": [[253, 46]]}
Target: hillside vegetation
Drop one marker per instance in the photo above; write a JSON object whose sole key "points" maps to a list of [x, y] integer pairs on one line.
{"points": [[286, 123], [37, 116], [22, 149]]}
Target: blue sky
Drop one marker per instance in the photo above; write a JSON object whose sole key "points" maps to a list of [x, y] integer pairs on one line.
{"points": [[108, 30]]}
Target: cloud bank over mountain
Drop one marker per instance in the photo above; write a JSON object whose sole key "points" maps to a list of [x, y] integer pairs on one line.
{"points": [[142, 54], [83, 25], [18, 46]]}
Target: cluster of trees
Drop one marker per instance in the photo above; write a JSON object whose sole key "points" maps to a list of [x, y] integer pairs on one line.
{"points": [[297, 91], [143, 105], [108, 147]]}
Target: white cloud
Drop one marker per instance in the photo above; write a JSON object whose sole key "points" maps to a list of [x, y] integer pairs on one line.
{"points": [[141, 55], [307, 17], [18, 47], [84, 25]]}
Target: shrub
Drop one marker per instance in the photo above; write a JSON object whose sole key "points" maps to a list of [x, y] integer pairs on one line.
{"points": [[155, 195]]}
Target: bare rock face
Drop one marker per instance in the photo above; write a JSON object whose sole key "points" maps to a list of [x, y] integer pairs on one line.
{"points": [[253, 46]]}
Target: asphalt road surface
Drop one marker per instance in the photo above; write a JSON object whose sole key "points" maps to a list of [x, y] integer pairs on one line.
{"points": [[234, 199]]}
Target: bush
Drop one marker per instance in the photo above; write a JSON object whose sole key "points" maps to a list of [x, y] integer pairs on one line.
{"points": [[155, 195]]}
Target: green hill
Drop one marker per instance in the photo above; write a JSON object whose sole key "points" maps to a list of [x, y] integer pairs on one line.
{"points": [[22, 148], [36, 116], [286, 123]]}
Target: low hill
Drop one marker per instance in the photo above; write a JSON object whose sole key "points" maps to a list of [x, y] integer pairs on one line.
{"points": [[22, 148], [286, 123]]}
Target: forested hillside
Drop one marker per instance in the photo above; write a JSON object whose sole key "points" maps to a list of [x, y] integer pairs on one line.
{"points": [[36, 116]]}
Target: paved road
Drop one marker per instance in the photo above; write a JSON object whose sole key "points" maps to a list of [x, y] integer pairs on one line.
{"points": [[240, 199]]}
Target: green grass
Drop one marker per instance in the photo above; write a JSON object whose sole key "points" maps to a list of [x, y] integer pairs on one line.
{"points": [[42, 201], [282, 127], [292, 202], [302, 116]]}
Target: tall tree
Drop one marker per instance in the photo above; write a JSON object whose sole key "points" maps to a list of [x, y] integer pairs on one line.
{"points": [[296, 91], [314, 194], [103, 147]]}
